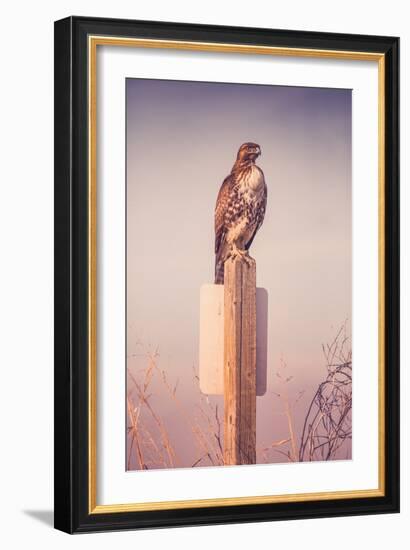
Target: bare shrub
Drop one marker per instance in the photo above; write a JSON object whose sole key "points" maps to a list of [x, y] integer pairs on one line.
{"points": [[328, 422]]}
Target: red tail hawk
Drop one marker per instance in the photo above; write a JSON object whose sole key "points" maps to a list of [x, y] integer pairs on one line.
{"points": [[240, 208]]}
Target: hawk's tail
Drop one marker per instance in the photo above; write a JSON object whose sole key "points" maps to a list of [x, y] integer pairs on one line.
{"points": [[219, 270]]}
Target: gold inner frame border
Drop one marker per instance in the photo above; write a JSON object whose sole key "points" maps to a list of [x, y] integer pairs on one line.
{"points": [[93, 43]]}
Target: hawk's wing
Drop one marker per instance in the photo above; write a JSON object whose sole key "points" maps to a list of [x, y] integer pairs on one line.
{"points": [[260, 216], [221, 207]]}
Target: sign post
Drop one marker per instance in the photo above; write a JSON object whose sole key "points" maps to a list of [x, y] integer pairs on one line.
{"points": [[240, 361]]}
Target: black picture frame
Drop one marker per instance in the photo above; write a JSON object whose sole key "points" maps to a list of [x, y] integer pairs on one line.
{"points": [[71, 482]]}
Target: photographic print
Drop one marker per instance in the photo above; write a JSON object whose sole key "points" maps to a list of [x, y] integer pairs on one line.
{"points": [[239, 274]]}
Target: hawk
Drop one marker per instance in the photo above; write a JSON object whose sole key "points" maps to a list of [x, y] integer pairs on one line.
{"points": [[240, 208]]}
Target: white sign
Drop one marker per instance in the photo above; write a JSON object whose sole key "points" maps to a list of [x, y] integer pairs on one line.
{"points": [[211, 339]]}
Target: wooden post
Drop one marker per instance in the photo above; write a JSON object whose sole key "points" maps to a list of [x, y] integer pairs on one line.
{"points": [[240, 362]]}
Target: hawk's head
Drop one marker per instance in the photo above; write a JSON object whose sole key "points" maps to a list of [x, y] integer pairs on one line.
{"points": [[248, 151]]}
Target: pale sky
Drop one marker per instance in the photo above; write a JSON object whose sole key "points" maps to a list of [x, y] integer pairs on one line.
{"points": [[182, 140]]}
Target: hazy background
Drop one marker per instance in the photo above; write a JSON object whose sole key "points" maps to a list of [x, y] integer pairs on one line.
{"points": [[182, 140]]}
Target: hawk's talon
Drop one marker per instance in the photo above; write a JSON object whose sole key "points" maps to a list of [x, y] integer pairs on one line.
{"points": [[243, 254]]}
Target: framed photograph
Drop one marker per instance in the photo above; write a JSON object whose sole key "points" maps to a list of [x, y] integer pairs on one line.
{"points": [[226, 274]]}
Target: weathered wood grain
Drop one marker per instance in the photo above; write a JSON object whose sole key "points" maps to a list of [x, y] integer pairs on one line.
{"points": [[240, 362]]}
